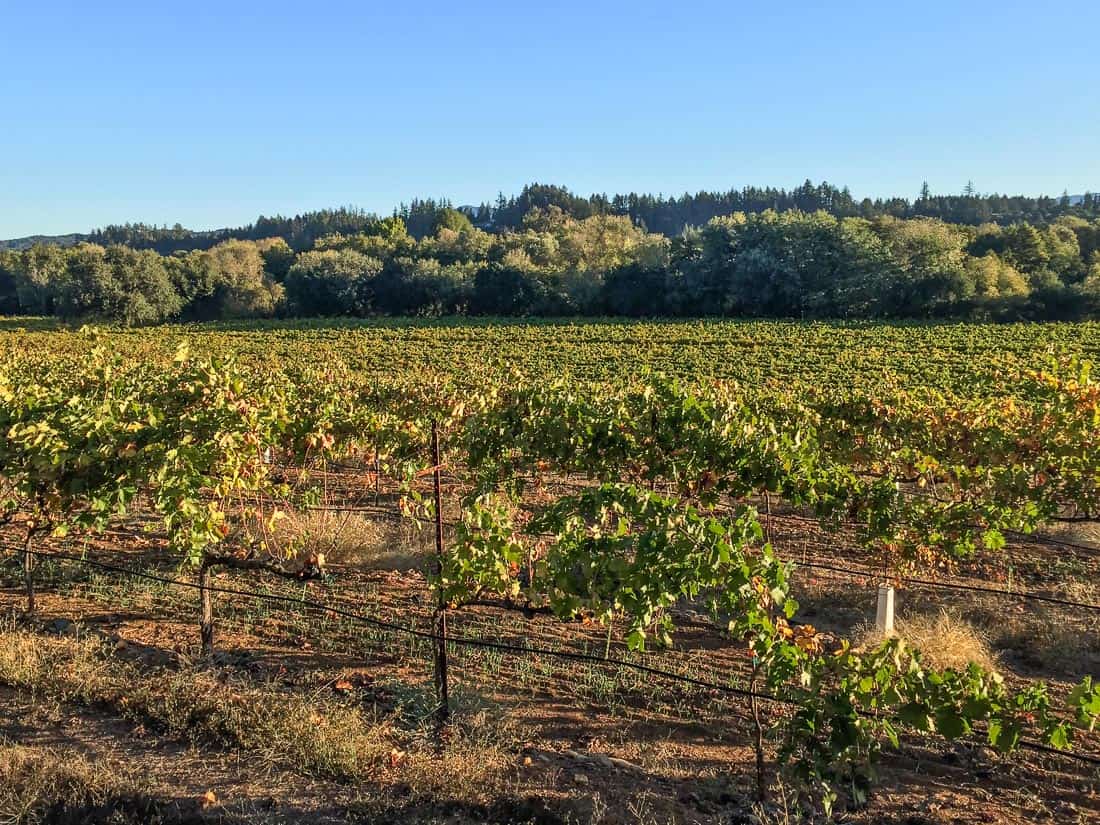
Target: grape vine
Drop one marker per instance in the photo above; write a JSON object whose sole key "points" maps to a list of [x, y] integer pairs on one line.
{"points": [[616, 505]]}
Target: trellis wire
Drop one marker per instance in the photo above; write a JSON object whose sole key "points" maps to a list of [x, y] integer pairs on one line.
{"points": [[1086, 758]]}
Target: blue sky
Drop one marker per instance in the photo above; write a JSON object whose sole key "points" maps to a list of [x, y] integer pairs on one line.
{"points": [[211, 113]]}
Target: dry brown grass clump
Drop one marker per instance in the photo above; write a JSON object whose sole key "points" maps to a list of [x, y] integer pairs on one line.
{"points": [[1036, 637], [476, 766], [316, 737], [945, 640], [383, 751], [355, 539], [1050, 643], [36, 783]]}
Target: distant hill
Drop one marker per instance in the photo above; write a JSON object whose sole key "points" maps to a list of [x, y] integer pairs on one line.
{"points": [[52, 240], [668, 215]]}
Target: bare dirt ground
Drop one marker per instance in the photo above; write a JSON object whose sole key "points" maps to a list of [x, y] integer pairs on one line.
{"points": [[536, 739]]}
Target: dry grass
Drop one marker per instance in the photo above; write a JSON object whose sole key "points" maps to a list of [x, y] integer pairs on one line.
{"points": [[473, 768], [313, 736], [1052, 646], [37, 784], [1084, 533], [1043, 638], [317, 737], [354, 539], [1080, 591], [945, 640]]}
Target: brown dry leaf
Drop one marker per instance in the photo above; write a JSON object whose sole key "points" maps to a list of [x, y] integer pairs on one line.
{"points": [[397, 756], [208, 799], [343, 686]]}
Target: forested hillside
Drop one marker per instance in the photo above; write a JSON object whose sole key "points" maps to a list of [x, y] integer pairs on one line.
{"points": [[667, 215], [670, 215], [811, 252]]}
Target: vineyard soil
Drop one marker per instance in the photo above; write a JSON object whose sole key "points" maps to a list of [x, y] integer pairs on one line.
{"points": [[537, 738]]}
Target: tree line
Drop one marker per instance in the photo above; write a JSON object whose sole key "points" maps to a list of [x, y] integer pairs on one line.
{"points": [[790, 263], [672, 215], [656, 213]]}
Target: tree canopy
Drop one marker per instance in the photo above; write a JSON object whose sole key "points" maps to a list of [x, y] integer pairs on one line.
{"points": [[554, 261]]}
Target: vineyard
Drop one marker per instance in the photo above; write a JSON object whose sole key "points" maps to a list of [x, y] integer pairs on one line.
{"points": [[618, 572]]}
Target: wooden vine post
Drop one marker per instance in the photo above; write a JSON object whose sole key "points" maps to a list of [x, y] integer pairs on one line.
{"points": [[36, 524], [443, 711], [377, 476], [206, 620], [758, 733], [28, 568], [758, 722]]}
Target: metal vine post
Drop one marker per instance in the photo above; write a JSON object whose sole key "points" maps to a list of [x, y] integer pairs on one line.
{"points": [[443, 711]]}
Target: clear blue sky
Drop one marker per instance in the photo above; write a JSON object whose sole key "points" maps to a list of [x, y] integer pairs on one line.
{"points": [[211, 113]]}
